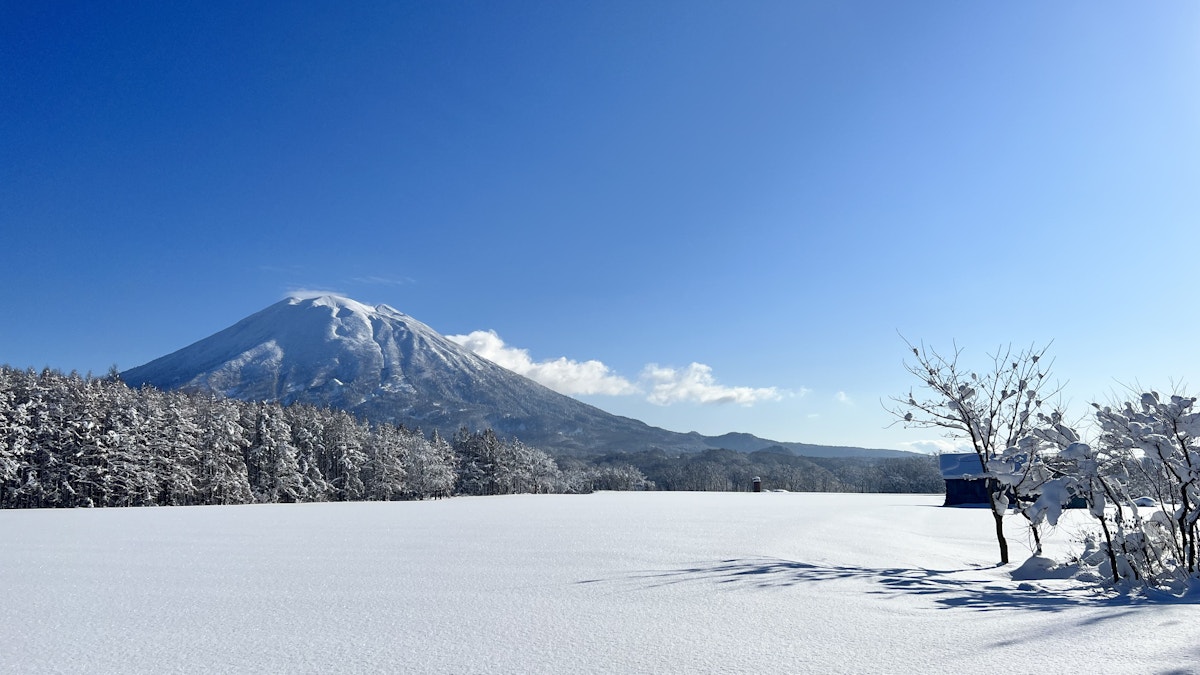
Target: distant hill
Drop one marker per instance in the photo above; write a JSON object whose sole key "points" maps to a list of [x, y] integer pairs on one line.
{"points": [[384, 365], [743, 442]]}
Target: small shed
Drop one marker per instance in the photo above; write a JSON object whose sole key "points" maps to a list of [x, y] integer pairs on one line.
{"points": [[965, 484], [964, 479]]}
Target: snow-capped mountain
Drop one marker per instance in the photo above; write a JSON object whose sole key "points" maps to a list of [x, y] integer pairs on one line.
{"points": [[385, 365]]}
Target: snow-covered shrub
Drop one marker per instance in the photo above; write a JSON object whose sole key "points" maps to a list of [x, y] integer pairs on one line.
{"points": [[1145, 446], [1158, 440]]}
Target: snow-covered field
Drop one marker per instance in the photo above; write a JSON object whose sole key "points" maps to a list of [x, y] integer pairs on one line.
{"points": [[610, 582]]}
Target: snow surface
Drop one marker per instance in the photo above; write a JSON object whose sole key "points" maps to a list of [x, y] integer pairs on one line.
{"points": [[612, 582]]}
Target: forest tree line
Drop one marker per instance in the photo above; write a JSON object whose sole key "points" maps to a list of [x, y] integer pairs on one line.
{"points": [[779, 469], [76, 441]]}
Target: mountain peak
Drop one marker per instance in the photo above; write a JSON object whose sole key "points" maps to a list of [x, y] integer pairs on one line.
{"points": [[331, 300], [340, 302]]}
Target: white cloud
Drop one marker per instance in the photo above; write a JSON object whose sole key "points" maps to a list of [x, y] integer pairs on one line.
{"points": [[697, 384], [562, 375], [844, 398], [661, 385]]}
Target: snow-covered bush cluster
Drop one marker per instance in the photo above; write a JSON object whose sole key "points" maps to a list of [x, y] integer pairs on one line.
{"points": [[1153, 447], [1139, 478], [67, 440]]}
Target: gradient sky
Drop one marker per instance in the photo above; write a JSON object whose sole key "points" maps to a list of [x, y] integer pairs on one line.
{"points": [[774, 191]]}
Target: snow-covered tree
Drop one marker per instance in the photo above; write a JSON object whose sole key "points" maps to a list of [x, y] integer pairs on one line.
{"points": [[308, 425], [993, 409], [521, 469], [585, 479], [222, 475], [1159, 439], [174, 450], [429, 466], [344, 441], [475, 458], [383, 473], [271, 460], [12, 433]]}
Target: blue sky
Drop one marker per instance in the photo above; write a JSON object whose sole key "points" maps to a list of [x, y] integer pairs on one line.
{"points": [[773, 191]]}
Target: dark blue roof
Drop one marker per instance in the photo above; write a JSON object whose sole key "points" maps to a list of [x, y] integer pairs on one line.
{"points": [[960, 465]]}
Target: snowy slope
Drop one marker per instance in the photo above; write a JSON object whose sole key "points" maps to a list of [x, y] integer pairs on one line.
{"points": [[387, 366], [328, 348], [611, 582]]}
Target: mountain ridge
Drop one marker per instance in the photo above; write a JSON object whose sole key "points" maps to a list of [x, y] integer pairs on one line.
{"points": [[386, 366]]}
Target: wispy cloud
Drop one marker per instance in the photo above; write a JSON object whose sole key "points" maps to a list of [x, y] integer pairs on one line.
{"points": [[843, 398], [382, 281], [282, 269], [562, 374], [935, 445], [298, 287], [660, 385], [309, 293]]}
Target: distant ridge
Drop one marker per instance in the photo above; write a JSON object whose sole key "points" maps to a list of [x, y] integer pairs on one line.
{"points": [[384, 365]]}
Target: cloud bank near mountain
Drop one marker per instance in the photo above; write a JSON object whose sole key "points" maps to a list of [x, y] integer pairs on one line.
{"points": [[660, 385]]}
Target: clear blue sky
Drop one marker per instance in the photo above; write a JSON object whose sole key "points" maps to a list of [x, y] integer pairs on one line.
{"points": [[774, 190]]}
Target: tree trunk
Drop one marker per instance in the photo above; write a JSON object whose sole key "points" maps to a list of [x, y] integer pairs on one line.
{"points": [[1112, 554], [993, 491], [1000, 537]]}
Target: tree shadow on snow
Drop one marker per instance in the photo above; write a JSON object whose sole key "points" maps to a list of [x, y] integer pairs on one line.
{"points": [[947, 588]]}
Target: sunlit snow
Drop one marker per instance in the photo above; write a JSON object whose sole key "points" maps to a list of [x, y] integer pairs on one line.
{"points": [[611, 582]]}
